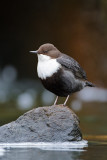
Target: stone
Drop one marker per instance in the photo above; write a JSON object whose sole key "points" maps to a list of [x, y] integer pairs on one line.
{"points": [[55, 123]]}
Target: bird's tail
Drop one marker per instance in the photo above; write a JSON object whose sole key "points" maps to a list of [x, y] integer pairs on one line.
{"points": [[90, 84]]}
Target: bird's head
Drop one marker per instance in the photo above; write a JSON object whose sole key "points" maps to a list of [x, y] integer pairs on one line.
{"points": [[48, 50]]}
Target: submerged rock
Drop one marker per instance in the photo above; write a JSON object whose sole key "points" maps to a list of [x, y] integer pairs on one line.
{"points": [[44, 124]]}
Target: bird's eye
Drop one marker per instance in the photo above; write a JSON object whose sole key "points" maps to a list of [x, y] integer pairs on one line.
{"points": [[45, 51]]}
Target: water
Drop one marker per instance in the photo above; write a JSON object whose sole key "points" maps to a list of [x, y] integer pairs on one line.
{"points": [[95, 150], [92, 114]]}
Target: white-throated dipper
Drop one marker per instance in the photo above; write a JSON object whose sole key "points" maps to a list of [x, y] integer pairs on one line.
{"points": [[60, 73]]}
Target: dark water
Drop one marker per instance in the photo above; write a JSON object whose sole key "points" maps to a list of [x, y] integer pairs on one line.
{"points": [[96, 150]]}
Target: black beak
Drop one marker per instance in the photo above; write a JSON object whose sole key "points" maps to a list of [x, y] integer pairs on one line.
{"points": [[35, 52]]}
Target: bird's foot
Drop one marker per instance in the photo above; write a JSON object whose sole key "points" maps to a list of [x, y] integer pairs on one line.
{"points": [[66, 101], [56, 100]]}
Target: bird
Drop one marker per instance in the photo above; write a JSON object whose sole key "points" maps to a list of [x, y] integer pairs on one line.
{"points": [[60, 73]]}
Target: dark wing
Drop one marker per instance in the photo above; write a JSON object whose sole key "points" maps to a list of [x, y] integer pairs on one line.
{"points": [[73, 65]]}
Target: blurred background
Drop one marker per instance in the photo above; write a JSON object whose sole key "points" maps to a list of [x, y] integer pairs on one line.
{"points": [[75, 27]]}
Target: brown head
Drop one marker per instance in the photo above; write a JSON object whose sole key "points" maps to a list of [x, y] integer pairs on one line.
{"points": [[48, 50]]}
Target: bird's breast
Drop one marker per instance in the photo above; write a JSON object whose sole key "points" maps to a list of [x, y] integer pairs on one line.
{"points": [[47, 68]]}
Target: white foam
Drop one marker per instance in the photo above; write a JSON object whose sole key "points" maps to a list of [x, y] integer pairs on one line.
{"points": [[67, 146], [2, 151]]}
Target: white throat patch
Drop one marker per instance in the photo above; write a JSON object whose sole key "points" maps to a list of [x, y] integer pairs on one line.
{"points": [[46, 66]]}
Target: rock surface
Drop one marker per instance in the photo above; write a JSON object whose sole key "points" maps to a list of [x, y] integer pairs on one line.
{"points": [[43, 124]]}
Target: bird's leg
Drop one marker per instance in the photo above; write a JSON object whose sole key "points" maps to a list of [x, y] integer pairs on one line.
{"points": [[56, 100], [66, 100]]}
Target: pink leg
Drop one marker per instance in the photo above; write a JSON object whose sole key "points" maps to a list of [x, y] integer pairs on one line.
{"points": [[66, 100], [56, 100]]}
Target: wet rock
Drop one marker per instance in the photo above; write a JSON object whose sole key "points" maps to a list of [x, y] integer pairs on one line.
{"points": [[43, 124]]}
